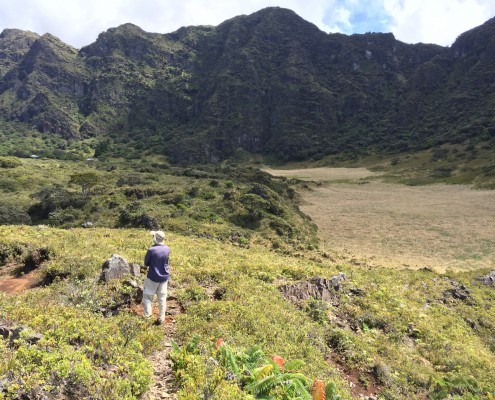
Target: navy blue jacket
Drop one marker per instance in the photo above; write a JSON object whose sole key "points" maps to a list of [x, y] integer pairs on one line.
{"points": [[157, 260]]}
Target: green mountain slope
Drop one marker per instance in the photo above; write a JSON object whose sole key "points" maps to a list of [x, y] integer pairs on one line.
{"points": [[269, 83]]}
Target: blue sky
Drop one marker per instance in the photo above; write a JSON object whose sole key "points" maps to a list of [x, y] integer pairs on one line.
{"points": [[359, 16], [78, 22]]}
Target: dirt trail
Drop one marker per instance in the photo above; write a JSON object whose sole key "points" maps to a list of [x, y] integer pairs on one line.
{"points": [[163, 384], [363, 385], [12, 284]]}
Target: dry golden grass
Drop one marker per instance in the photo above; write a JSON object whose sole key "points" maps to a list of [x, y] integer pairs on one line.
{"points": [[323, 174], [436, 226]]}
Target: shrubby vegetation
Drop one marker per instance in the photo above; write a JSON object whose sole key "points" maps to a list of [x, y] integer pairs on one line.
{"points": [[227, 202], [403, 333], [237, 374]]}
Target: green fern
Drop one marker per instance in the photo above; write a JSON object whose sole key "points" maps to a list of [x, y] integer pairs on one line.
{"points": [[331, 392], [252, 357], [228, 360], [262, 372], [294, 365], [286, 381], [297, 388]]}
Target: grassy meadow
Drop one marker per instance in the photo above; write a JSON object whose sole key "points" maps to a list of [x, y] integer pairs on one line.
{"points": [[364, 219], [399, 333]]}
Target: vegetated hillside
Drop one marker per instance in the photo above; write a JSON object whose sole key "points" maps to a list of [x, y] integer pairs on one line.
{"points": [[268, 83], [227, 202], [397, 334]]}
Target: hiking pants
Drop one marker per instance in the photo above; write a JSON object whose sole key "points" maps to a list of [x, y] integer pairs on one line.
{"points": [[149, 290]]}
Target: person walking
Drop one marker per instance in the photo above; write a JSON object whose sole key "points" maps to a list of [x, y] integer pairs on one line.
{"points": [[157, 278]]}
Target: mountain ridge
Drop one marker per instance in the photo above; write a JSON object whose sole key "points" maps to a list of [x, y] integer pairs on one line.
{"points": [[269, 82]]}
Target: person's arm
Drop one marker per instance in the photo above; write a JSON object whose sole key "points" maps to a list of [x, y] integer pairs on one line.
{"points": [[147, 258]]}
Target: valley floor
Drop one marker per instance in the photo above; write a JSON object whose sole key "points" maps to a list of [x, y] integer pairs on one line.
{"points": [[367, 220]]}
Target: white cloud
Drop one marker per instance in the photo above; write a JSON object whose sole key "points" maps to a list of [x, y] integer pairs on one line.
{"points": [[78, 22], [438, 21]]}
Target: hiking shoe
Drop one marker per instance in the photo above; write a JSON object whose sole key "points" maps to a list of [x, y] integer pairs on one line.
{"points": [[158, 322]]}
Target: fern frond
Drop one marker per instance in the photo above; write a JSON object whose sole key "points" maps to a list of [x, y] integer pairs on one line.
{"points": [[175, 346], [331, 392], [297, 388], [263, 372], [253, 356], [227, 359], [192, 346], [265, 385], [294, 365], [318, 392]]}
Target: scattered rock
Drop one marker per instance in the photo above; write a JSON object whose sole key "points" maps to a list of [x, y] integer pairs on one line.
{"points": [[489, 279], [356, 292], [135, 269], [115, 267], [219, 293], [13, 333], [317, 288], [458, 292]]}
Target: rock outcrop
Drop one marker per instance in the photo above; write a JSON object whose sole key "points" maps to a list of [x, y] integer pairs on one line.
{"points": [[489, 279], [116, 267], [317, 288]]}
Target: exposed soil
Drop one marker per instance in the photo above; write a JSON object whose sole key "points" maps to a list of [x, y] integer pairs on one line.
{"points": [[361, 383], [163, 385], [12, 284]]}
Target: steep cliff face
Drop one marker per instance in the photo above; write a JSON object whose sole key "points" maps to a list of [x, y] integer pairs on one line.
{"points": [[43, 87], [268, 82], [14, 44]]}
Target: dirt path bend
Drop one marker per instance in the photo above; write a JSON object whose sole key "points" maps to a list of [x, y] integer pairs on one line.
{"points": [[163, 385], [12, 284]]}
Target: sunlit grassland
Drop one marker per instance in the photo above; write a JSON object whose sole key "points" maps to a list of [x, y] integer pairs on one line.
{"points": [[400, 323], [436, 226]]}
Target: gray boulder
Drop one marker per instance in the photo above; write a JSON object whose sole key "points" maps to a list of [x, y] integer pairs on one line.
{"points": [[317, 288], [135, 269], [116, 267], [489, 279]]}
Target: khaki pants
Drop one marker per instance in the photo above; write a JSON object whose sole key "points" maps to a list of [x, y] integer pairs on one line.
{"points": [[149, 290]]}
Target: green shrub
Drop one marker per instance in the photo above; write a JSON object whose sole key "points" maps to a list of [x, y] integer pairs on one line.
{"points": [[8, 185], [9, 162], [63, 217], [13, 215], [454, 386], [134, 215], [55, 197]]}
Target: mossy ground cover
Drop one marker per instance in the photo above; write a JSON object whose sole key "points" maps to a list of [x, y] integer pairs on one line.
{"points": [[401, 330]]}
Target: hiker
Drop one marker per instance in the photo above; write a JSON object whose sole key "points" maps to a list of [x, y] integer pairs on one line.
{"points": [[157, 278]]}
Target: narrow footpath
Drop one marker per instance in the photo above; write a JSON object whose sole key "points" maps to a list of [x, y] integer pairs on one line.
{"points": [[163, 384]]}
